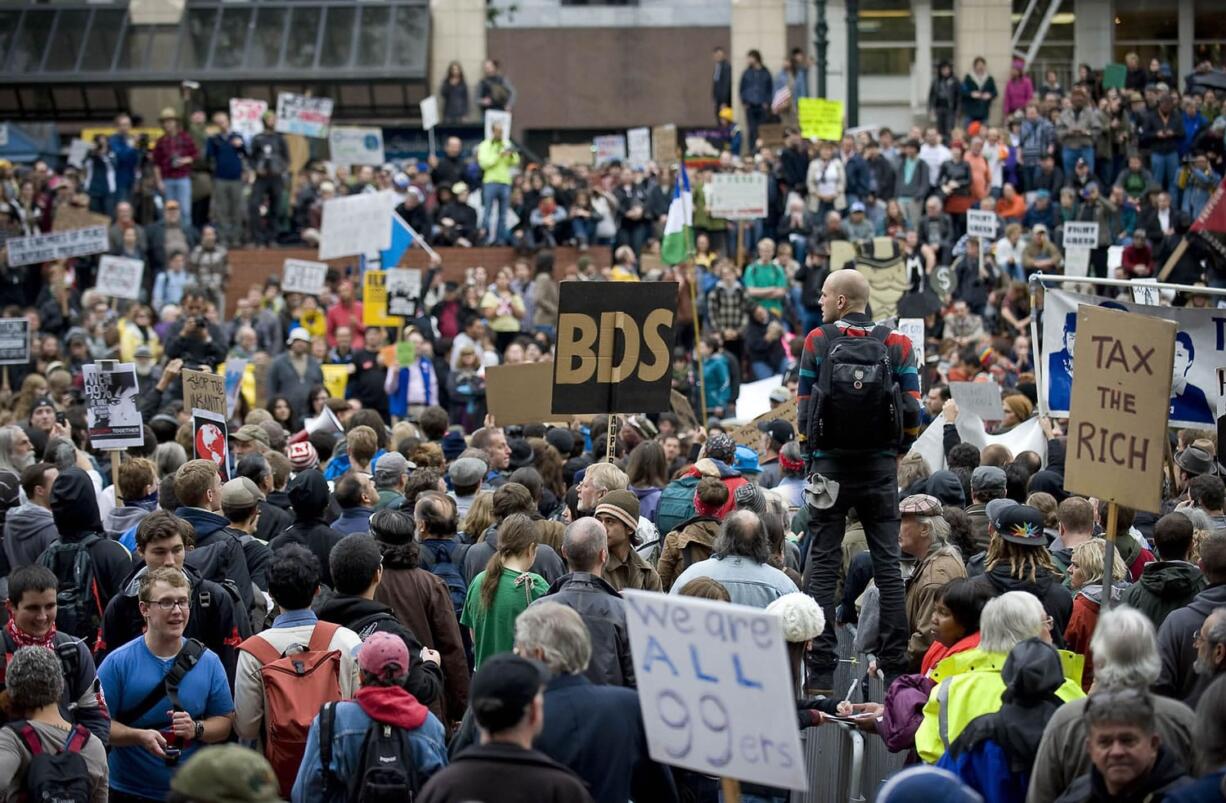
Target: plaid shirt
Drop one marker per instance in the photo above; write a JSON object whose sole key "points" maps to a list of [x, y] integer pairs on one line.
{"points": [[726, 307]]}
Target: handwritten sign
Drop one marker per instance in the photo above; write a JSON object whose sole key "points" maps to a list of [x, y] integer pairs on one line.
{"points": [[820, 118], [664, 144], [204, 390], [978, 398], [715, 689], [1083, 235], [1120, 404], [374, 300], [357, 224], [610, 148], [300, 114], [1145, 291], [403, 290], [570, 155], [981, 223], [749, 434], [120, 277], [429, 113], [57, 245], [14, 341], [111, 415], [354, 145], [738, 196], [638, 142], [913, 328], [303, 276], [247, 117]]}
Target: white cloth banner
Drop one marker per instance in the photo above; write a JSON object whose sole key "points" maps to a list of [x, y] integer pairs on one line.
{"points": [[357, 224], [1200, 347], [639, 142], [57, 245], [1026, 436]]}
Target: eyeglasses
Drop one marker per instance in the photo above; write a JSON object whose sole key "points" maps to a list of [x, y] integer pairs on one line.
{"points": [[169, 605]]}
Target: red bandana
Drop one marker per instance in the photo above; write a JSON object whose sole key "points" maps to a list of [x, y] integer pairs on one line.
{"points": [[24, 639]]}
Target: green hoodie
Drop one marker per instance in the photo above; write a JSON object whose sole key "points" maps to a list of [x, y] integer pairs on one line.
{"points": [[1165, 586]]}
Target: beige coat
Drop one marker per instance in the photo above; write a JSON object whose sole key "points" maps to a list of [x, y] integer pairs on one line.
{"points": [[942, 564]]}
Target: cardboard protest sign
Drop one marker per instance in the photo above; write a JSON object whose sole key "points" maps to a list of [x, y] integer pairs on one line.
{"points": [[355, 145], [204, 390], [521, 394], [211, 440], [374, 300], [638, 146], [749, 434], [232, 378], [14, 341], [820, 118], [120, 277], [357, 224], [715, 688], [300, 114], [429, 113], [614, 347], [610, 148], [71, 217], [57, 245], [981, 223], [111, 415], [78, 152], [664, 144], [247, 116], [570, 155], [978, 398], [684, 411], [1083, 235], [772, 134], [1118, 417], [403, 291], [913, 328], [737, 196], [303, 276], [1200, 348], [336, 379]]}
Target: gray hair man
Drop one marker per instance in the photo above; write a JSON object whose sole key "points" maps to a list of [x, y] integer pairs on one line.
{"points": [[740, 563], [921, 537]]}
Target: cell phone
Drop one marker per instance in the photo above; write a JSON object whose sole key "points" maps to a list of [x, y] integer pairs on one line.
{"points": [[61, 419]]}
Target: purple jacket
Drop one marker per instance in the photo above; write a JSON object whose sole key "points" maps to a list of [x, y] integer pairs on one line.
{"points": [[904, 711], [1018, 93]]}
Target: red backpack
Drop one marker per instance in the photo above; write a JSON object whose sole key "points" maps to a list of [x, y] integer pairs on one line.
{"points": [[295, 686]]}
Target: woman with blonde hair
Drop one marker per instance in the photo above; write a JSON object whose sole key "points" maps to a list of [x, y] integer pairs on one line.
{"points": [[504, 590], [1018, 408], [1085, 574], [33, 387], [480, 517], [136, 330]]}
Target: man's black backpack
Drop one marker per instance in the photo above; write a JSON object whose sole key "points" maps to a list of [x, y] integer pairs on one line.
{"points": [[448, 562], [78, 600], [858, 401], [61, 777], [386, 773]]}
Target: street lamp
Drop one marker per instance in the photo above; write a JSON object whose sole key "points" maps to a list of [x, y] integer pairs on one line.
{"points": [[822, 41], [853, 63]]}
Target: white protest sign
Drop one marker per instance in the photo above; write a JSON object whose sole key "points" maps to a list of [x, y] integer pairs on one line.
{"points": [[638, 142], [247, 117], [78, 152], [4, 134], [738, 196], [497, 117], [1084, 235], [353, 145], [1145, 291], [1077, 261], [120, 277], [57, 245], [111, 415], [913, 328], [715, 689], [1025, 437], [14, 341], [609, 148], [300, 114], [981, 399], [429, 113], [357, 224], [403, 290], [981, 223], [303, 276]]}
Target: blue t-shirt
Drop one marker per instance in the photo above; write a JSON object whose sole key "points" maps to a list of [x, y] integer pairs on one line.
{"points": [[130, 673]]}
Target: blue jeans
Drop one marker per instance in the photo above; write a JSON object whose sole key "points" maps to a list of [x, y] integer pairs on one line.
{"points": [[1071, 155], [1165, 167], [179, 189], [502, 194], [763, 370]]}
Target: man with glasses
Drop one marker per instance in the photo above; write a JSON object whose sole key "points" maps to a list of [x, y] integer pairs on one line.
{"points": [[1210, 643], [162, 717]]}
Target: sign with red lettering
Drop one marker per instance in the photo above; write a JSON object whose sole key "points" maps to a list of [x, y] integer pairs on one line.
{"points": [[1120, 403]]}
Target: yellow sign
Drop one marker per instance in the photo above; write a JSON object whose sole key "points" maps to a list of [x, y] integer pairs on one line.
{"points": [[336, 377], [374, 300], [820, 118]]}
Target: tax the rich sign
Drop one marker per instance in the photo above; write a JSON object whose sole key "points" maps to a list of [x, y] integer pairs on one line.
{"points": [[614, 348], [1120, 403]]}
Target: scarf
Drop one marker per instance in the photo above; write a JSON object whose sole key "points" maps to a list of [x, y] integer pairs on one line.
{"points": [[23, 639], [524, 580]]}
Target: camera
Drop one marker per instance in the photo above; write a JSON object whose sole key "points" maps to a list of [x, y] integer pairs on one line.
{"points": [[61, 419], [202, 322]]}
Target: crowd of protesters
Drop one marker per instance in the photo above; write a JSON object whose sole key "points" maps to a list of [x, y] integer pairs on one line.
{"points": [[421, 588]]}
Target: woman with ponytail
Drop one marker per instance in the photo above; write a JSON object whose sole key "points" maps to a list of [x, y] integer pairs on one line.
{"points": [[501, 593]]}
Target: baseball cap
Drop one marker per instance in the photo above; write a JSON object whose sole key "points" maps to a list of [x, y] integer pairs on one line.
{"points": [[995, 508], [466, 472], [384, 655], [988, 478], [779, 430], [503, 688], [298, 333], [621, 505], [240, 492], [1022, 524], [920, 505], [1039, 227], [302, 456], [143, 351], [227, 773], [561, 439], [921, 784], [391, 465], [42, 401], [459, 187], [251, 432], [747, 461], [780, 395], [857, 207]]}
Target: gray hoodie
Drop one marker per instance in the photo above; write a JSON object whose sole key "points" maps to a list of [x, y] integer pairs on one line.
{"points": [[28, 531]]}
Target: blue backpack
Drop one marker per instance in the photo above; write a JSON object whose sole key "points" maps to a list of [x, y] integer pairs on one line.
{"points": [[676, 504], [448, 560]]}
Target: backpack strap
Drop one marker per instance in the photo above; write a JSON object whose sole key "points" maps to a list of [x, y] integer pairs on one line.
{"points": [[327, 729], [321, 636], [28, 735], [77, 739], [185, 661], [260, 649]]}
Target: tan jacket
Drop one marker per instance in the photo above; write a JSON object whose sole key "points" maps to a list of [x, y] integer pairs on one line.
{"points": [[635, 573], [942, 564], [696, 535]]}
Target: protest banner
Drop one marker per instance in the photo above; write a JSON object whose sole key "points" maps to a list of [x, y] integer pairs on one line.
{"points": [[521, 394], [429, 112], [235, 371], [120, 277], [111, 415], [684, 411], [247, 117], [357, 224], [738, 196], [715, 688], [638, 147], [1221, 407], [374, 300], [301, 114], [1118, 416], [211, 440], [71, 217], [403, 291], [913, 328], [772, 134], [570, 155], [303, 276], [981, 223], [609, 148], [355, 145], [749, 434], [78, 152], [1025, 437], [820, 118], [204, 390], [1200, 347], [1115, 76], [614, 347], [1080, 235], [14, 341], [664, 144], [496, 117], [1145, 291], [57, 245], [336, 379], [978, 398]]}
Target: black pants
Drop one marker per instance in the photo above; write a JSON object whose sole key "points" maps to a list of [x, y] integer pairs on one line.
{"points": [[871, 489], [755, 115], [264, 232], [116, 796]]}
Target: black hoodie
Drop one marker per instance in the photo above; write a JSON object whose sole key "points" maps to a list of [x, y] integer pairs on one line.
{"points": [[1056, 599], [308, 493], [74, 506]]}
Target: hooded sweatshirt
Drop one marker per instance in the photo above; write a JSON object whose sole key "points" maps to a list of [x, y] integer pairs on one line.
{"points": [[74, 507], [308, 494], [1175, 644], [28, 531], [391, 705], [1165, 586], [1056, 599]]}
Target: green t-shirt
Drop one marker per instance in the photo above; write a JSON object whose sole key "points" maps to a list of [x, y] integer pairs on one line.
{"points": [[767, 274], [494, 629]]}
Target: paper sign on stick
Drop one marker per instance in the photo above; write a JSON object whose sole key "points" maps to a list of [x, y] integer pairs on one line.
{"points": [[303, 276], [204, 390], [14, 341], [111, 415], [978, 398], [521, 394], [120, 277], [820, 118]]}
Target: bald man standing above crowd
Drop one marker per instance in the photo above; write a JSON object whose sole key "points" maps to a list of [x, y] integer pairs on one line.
{"points": [[859, 409]]}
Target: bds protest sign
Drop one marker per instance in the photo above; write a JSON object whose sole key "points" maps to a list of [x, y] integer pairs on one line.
{"points": [[715, 689], [1120, 402], [614, 348]]}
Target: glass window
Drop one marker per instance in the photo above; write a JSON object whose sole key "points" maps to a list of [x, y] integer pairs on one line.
{"points": [[886, 21], [69, 36], [200, 24], [231, 38], [103, 39], [36, 102], [409, 37], [132, 48], [372, 36], [29, 44], [1210, 22], [8, 26], [389, 95], [303, 30], [68, 98], [338, 36], [894, 60], [1137, 20], [266, 42]]}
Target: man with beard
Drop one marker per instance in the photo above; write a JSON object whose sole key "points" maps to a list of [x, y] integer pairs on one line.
{"points": [[1210, 653]]}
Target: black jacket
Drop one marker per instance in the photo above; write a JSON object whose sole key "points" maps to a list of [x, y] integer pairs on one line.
{"points": [[273, 521], [1164, 587], [548, 563], [519, 775], [604, 612], [366, 616], [721, 84], [257, 553], [308, 493], [218, 555], [1056, 599], [1166, 775]]}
